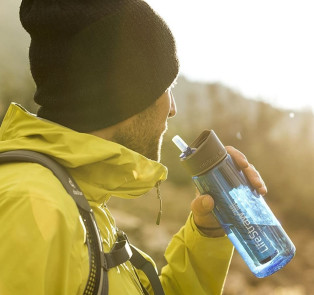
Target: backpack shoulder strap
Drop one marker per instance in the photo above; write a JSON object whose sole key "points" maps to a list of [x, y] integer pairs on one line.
{"points": [[97, 282], [140, 262]]}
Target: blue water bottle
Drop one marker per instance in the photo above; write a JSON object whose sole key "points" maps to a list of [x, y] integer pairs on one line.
{"points": [[242, 212]]}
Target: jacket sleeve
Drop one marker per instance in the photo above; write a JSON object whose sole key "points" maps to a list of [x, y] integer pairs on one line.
{"points": [[196, 264]]}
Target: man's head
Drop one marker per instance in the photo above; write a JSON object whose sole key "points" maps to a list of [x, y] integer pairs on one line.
{"points": [[97, 63]]}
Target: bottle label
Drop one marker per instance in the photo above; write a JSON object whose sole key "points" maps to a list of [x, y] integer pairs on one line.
{"points": [[253, 231], [246, 209]]}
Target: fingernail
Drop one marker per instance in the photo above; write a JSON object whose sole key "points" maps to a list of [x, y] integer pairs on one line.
{"points": [[263, 190]]}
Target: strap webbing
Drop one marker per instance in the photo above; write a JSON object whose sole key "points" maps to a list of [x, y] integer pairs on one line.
{"points": [[141, 263], [120, 253], [97, 282]]}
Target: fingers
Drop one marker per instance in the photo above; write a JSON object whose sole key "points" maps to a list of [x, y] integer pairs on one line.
{"points": [[238, 157], [248, 169], [255, 179]]}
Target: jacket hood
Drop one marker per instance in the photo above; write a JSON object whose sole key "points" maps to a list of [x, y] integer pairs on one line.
{"points": [[101, 168]]}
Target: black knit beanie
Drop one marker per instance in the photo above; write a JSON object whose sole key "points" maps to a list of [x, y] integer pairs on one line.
{"points": [[97, 62]]}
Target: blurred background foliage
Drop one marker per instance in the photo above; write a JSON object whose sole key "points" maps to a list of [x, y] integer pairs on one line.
{"points": [[278, 142]]}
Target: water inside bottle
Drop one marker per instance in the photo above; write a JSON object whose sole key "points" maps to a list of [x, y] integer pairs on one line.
{"points": [[274, 262]]}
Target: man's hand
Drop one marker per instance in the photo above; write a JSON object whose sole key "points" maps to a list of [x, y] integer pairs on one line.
{"points": [[202, 206]]}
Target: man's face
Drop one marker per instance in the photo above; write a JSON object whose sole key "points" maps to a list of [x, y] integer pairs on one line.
{"points": [[144, 132]]}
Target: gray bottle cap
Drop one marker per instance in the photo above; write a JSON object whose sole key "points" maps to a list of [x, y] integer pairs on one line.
{"points": [[208, 152]]}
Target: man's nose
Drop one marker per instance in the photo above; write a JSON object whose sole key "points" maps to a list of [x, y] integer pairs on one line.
{"points": [[173, 107]]}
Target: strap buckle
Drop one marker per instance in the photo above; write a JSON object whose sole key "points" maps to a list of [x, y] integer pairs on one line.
{"points": [[120, 253]]}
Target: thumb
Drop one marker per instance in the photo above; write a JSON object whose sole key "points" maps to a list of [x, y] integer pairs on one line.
{"points": [[202, 205]]}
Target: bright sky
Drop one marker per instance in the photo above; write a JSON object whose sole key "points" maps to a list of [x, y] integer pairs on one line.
{"points": [[263, 49]]}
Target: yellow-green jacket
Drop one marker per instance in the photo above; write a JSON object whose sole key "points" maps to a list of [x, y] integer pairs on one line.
{"points": [[42, 249]]}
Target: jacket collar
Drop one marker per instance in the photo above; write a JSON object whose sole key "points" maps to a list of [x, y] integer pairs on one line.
{"points": [[101, 168]]}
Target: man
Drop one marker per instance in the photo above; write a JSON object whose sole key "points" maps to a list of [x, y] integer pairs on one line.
{"points": [[103, 71]]}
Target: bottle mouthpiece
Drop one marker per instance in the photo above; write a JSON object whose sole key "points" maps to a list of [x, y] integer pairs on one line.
{"points": [[181, 144]]}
